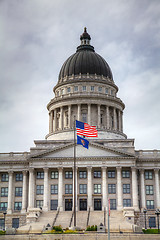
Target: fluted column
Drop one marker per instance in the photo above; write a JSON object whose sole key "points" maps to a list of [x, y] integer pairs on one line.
{"points": [[24, 193], [99, 115], [69, 116], [60, 189], [61, 118], [79, 113], [45, 194], [90, 187], [73, 189], [89, 114], [55, 120], [119, 189], [114, 119], [104, 188], [157, 187], [135, 189], [10, 189], [51, 122], [143, 195], [107, 116], [31, 189], [119, 120]]}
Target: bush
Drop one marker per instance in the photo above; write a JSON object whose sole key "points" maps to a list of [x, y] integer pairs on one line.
{"points": [[2, 232], [70, 232], [151, 231], [58, 228], [92, 228]]}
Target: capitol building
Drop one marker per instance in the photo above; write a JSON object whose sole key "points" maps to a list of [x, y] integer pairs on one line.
{"points": [[37, 187]]}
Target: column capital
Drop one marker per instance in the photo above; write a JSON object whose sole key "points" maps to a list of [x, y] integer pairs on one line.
{"points": [[45, 169], [89, 168], [10, 172], [141, 170], [104, 168], [24, 172], [31, 170], [134, 168], [119, 168], [156, 170]]}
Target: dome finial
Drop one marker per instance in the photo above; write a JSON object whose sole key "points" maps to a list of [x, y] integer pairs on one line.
{"points": [[85, 38], [85, 29]]}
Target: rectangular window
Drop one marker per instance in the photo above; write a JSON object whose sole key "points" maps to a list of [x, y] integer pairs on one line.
{"points": [[17, 206], [40, 189], [92, 88], [112, 92], [106, 90], [100, 89], [15, 222], [54, 189], [152, 222], [18, 192], [148, 175], [2, 225], [75, 88], [97, 188], [111, 174], [126, 188], [68, 174], [126, 202], [54, 175], [4, 177], [68, 188], [113, 204], [84, 117], [126, 174], [97, 174], [40, 175], [83, 88], [54, 204], [150, 204], [111, 188], [4, 192], [149, 190], [39, 203], [3, 206], [82, 174], [19, 177], [83, 188], [68, 90]]}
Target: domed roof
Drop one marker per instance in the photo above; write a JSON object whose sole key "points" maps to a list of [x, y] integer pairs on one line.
{"points": [[84, 61]]}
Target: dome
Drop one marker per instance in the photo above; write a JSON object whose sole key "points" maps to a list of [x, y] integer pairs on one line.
{"points": [[84, 61]]}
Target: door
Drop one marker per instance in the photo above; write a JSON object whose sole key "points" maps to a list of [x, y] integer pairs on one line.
{"points": [[68, 204], [97, 205], [83, 204]]}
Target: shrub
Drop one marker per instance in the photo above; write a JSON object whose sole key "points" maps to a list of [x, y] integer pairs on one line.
{"points": [[58, 228], [151, 231], [92, 228], [2, 232]]}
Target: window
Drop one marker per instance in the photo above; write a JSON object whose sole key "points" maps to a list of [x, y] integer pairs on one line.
{"points": [[111, 174], [112, 92], [92, 88], [113, 204], [68, 90], [106, 90], [84, 117], [57, 93], [18, 206], [152, 222], [82, 174], [39, 203], [148, 175], [97, 174], [126, 202], [18, 191], [3, 206], [149, 190], [97, 188], [4, 192], [83, 188], [111, 188], [62, 91], [54, 189], [54, 174], [2, 225], [150, 204], [126, 188], [40, 189], [75, 88], [15, 222], [19, 177], [68, 188], [4, 177], [101, 118], [100, 89], [40, 175], [68, 174], [83, 88], [126, 174], [54, 204]]}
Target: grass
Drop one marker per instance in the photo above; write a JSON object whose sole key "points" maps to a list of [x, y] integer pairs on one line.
{"points": [[151, 231]]}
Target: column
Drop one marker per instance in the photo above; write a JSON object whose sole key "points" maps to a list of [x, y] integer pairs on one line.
{"points": [[10, 188], [69, 116], [99, 115], [89, 114], [104, 188], [55, 120], [143, 194], [79, 113], [114, 119], [61, 118], [73, 190], [119, 189], [31, 189], [24, 193], [51, 122], [135, 189], [119, 120], [90, 188], [122, 121], [157, 187], [45, 194], [107, 116], [60, 189]]}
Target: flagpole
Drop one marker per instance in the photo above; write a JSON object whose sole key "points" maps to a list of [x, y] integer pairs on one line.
{"points": [[74, 171]]}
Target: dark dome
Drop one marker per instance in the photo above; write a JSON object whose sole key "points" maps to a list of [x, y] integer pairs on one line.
{"points": [[84, 61]]}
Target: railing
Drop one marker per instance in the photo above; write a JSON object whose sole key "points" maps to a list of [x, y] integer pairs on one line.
{"points": [[88, 216], [148, 153], [54, 221], [71, 219]]}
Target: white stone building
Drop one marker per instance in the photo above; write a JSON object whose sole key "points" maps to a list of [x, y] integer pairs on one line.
{"points": [[37, 186]]}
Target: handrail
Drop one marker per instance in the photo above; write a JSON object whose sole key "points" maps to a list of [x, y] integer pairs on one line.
{"points": [[71, 219], [88, 216], [54, 221]]}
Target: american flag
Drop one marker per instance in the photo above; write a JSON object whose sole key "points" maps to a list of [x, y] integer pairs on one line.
{"points": [[86, 130]]}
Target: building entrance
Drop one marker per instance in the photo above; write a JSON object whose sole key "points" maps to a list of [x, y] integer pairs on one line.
{"points": [[83, 204], [68, 204], [97, 205]]}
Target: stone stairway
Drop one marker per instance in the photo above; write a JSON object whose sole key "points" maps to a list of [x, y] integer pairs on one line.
{"points": [[96, 218], [81, 219], [63, 219]]}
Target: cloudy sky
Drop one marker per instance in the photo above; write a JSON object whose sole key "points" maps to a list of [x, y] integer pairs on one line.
{"points": [[37, 36]]}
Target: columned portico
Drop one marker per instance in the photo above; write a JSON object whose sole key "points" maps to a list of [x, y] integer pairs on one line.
{"points": [[135, 189], [90, 188], [119, 189], [45, 195], [10, 188], [60, 188], [143, 199], [24, 194]]}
